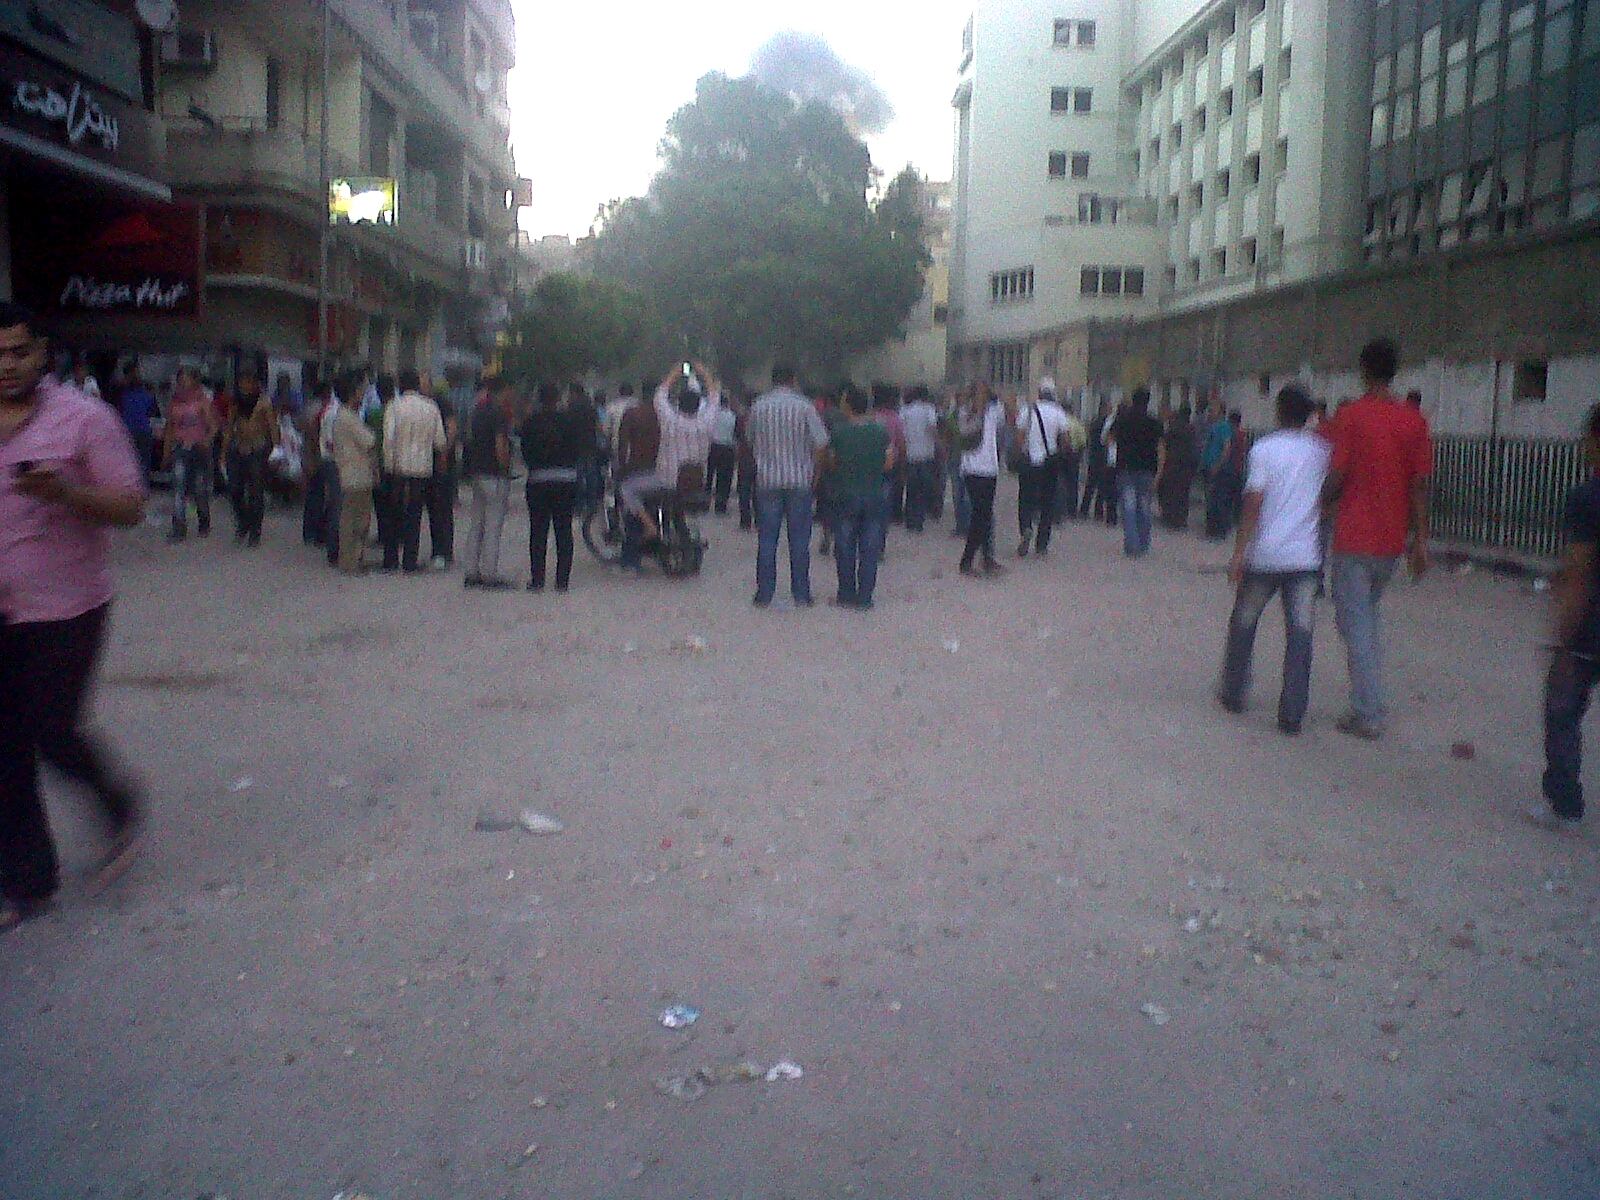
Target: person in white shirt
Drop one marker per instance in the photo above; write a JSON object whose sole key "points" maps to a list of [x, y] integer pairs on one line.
{"points": [[1041, 426], [686, 407], [413, 439], [1278, 550], [919, 423], [978, 433]]}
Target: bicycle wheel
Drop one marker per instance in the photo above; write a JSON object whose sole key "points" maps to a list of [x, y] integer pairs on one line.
{"points": [[602, 533]]}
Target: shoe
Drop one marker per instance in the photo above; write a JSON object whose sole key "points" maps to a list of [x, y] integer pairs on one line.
{"points": [[535, 587], [1022, 548], [253, 541], [761, 602], [1542, 816], [494, 585], [418, 570], [177, 535], [843, 602], [471, 581], [1042, 553], [864, 605], [15, 912], [1289, 728], [971, 571], [118, 857], [993, 567], [204, 530], [1358, 726], [562, 588], [1229, 704], [804, 602]]}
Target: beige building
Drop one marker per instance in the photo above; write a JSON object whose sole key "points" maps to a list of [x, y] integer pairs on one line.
{"points": [[920, 354], [417, 140]]}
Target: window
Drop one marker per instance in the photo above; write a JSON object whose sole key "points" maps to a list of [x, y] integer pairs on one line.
{"points": [[1519, 61], [1455, 90], [1194, 270], [1197, 194], [1008, 364], [1382, 77], [1530, 381], [1285, 61], [1557, 44], [1171, 276], [1485, 78], [1075, 100], [1058, 164], [1254, 8], [1219, 261], [1111, 281], [1430, 51], [1404, 107], [1079, 162], [941, 314], [1428, 103], [1200, 119], [1254, 84], [1247, 252], [1075, 33], [1488, 23], [274, 92], [1225, 102], [1008, 286], [1281, 160], [1252, 169], [1177, 136], [1224, 183]]}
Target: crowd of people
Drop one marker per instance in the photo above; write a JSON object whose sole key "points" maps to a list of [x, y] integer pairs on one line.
{"points": [[1318, 503]]}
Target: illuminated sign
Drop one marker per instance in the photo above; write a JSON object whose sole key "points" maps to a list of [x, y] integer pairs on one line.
{"points": [[361, 200]]}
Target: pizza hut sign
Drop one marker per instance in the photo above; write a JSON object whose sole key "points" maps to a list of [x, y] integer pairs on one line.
{"points": [[75, 113], [108, 295]]}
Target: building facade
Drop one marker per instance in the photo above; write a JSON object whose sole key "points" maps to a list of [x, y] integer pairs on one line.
{"points": [[378, 126], [1321, 172]]}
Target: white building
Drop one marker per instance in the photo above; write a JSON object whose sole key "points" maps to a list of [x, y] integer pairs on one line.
{"points": [[1050, 227], [1126, 157]]}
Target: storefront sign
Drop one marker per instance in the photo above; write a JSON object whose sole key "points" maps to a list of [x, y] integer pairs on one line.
{"points": [[46, 103], [75, 256]]}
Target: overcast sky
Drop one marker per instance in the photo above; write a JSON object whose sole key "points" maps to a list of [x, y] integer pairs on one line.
{"points": [[597, 81]]}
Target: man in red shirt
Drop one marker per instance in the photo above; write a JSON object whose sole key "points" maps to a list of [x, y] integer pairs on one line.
{"points": [[1378, 478]]}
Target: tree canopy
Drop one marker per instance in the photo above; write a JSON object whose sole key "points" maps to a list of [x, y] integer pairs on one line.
{"points": [[573, 324], [758, 240]]}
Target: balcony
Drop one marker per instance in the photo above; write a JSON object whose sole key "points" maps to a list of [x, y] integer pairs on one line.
{"points": [[242, 160]]}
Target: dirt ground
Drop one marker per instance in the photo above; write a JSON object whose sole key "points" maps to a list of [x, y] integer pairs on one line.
{"points": [[1034, 917]]}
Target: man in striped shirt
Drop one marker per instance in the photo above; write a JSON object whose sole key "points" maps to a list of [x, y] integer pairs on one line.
{"points": [[787, 438]]}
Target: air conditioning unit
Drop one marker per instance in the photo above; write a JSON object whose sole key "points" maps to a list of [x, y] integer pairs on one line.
{"points": [[425, 30], [475, 253], [189, 49]]}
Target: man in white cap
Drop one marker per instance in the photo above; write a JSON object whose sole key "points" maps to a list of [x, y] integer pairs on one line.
{"points": [[1042, 427]]}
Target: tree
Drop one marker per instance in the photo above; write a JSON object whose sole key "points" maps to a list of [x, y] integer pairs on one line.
{"points": [[758, 241], [574, 324]]}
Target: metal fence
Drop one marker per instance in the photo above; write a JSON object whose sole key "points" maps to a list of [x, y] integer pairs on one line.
{"points": [[1504, 494]]}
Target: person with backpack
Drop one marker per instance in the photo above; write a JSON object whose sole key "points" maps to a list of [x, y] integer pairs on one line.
{"points": [[1041, 429]]}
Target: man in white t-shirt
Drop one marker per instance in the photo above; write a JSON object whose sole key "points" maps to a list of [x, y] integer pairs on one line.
{"points": [[1278, 550], [1040, 426]]}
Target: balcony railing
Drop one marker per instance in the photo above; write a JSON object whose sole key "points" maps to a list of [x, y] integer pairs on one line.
{"points": [[1504, 494]]}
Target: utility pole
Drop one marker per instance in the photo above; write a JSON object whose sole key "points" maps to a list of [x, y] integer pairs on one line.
{"points": [[324, 230]]}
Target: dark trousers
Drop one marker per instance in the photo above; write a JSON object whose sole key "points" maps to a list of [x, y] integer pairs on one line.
{"points": [[921, 480], [550, 509], [1222, 502], [858, 546], [980, 529], [1566, 699], [1067, 497], [745, 485], [721, 465], [314, 510], [386, 512], [45, 671], [897, 492], [247, 482], [1298, 592], [409, 497], [442, 514], [1036, 502]]}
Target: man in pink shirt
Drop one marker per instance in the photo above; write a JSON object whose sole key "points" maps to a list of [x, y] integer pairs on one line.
{"points": [[67, 472]]}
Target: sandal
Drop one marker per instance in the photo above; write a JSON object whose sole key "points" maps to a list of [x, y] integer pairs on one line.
{"points": [[124, 849]]}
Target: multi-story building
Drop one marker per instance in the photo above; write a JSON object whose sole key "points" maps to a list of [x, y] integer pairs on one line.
{"points": [[417, 128], [1319, 171], [1051, 230]]}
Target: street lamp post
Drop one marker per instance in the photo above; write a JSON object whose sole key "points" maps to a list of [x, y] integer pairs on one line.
{"points": [[324, 232]]}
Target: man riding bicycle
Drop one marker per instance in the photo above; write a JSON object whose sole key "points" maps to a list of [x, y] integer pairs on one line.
{"points": [[685, 408]]}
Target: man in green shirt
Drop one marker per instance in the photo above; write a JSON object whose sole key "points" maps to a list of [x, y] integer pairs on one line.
{"points": [[861, 454]]}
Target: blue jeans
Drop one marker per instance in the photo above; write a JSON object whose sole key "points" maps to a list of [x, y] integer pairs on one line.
{"points": [[191, 476], [1134, 491], [1358, 583], [775, 509], [1298, 591], [1566, 700], [858, 545]]}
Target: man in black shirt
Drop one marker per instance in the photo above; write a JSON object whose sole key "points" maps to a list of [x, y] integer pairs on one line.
{"points": [[486, 467], [1136, 435], [1575, 667]]}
